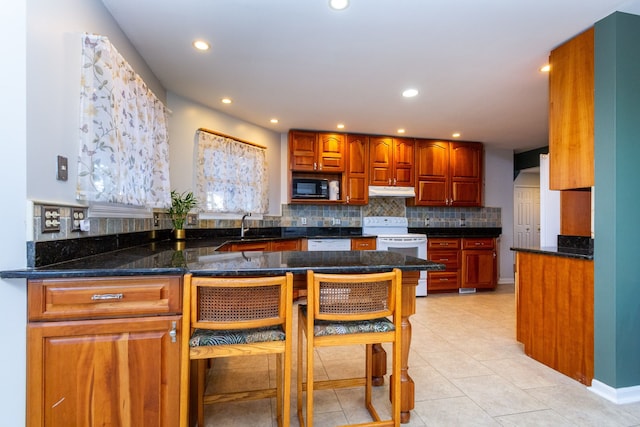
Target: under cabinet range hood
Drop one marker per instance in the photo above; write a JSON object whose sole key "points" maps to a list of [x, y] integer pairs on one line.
{"points": [[391, 191]]}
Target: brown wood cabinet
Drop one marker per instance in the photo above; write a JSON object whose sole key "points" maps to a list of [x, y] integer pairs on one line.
{"points": [[316, 152], [554, 312], [104, 351], [469, 263], [444, 251], [363, 243], [571, 113], [263, 245], [356, 187], [448, 173], [479, 263], [391, 161]]}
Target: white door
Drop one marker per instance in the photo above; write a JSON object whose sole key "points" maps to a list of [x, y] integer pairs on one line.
{"points": [[527, 216]]}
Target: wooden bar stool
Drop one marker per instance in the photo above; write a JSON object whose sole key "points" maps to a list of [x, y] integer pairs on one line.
{"points": [[228, 317], [345, 309]]}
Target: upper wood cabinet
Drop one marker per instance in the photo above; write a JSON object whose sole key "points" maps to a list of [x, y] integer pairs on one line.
{"points": [[448, 173], [391, 161], [357, 170], [316, 152], [571, 113]]}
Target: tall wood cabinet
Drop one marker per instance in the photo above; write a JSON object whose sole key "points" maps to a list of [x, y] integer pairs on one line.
{"points": [[104, 351], [571, 113], [448, 173], [391, 161], [356, 191]]}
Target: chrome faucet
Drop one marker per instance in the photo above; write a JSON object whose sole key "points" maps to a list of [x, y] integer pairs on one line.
{"points": [[242, 227]]}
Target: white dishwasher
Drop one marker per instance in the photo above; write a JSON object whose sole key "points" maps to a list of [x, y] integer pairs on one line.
{"points": [[328, 244]]}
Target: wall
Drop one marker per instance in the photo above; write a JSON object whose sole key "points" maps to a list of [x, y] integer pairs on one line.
{"points": [[498, 176], [188, 116], [53, 82], [617, 271], [13, 150]]}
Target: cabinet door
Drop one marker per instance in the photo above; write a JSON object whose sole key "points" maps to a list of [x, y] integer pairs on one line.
{"points": [[465, 169], [478, 269], [381, 160], [302, 151], [285, 245], [432, 171], [250, 246], [331, 152], [115, 372], [357, 176], [403, 153], [571, 113]]}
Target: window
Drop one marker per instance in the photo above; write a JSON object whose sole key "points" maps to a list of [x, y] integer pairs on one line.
{"points": [[231, 175], [124, 147]]}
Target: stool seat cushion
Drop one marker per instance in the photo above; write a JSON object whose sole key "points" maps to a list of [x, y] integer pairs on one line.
{"points": [[327, 327], [206, 337]]}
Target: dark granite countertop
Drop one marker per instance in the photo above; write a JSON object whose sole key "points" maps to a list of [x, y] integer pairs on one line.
{"points": [[555, 251], [199, 257]]}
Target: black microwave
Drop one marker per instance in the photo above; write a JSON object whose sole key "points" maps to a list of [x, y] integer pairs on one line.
{"points": [[310, 188]]}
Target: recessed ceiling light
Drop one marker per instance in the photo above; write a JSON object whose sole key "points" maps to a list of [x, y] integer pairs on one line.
{"points": [[340, 126], [456, 135], [338, 4], [226, 100], [201, 45], [400, 130], [410, 93], [545, 68], [274, 121]]}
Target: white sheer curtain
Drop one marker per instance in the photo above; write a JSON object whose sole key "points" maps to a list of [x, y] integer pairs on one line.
{"points": [[231, 175], [124, 147]]}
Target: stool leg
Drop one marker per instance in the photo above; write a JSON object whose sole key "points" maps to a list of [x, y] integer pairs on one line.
{"points": [[202, 375]]}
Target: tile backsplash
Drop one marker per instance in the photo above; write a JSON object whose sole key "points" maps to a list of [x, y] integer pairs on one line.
{"points": [[292, 216]]}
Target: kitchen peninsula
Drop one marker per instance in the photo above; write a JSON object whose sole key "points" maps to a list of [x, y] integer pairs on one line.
{"points": [[125, 305], [554, 305]]}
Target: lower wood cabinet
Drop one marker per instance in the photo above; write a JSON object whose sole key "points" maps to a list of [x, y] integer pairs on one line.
{"points": [[470, 262], [479, 263], [104, 351], [264, 245]]}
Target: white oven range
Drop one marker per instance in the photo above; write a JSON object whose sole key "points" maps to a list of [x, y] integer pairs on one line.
{"points": [[393, 235]]}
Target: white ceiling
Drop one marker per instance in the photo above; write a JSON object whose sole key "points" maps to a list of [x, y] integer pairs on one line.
{"points": [[475, 62]]}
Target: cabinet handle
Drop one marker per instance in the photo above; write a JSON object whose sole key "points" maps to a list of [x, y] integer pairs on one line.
{"points": [[444, 280], [395, 181], [173, 333], [98, 297], [315, 166], [443, 259], [348, 197]]}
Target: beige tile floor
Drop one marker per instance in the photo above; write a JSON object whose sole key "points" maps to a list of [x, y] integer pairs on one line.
{"points": [[467, 367]]}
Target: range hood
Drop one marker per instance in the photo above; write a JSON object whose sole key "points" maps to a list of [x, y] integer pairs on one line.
{"points": [[389, 191]]}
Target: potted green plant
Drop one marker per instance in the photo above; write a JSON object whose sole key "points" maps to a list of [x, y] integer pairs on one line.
{"points": [[181, 204]]}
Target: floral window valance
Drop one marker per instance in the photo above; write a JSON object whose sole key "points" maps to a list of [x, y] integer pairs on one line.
{"points": [[231, 175], [124, 147]]}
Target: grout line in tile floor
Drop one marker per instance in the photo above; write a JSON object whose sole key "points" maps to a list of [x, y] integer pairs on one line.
{"points": [[467, 367]]}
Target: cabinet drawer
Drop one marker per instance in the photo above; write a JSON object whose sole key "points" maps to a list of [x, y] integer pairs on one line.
{"points": [[442, 281], [103, 297], [438, 243], [363, 244], [451, 259], [478, 243]]}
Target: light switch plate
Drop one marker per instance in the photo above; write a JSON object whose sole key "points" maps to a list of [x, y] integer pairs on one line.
{"points": [[63, 172]]}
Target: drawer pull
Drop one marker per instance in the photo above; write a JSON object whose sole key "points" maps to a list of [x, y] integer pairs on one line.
{"points": [[444, 259], [173, 333], [444, 280], [102, 297]]}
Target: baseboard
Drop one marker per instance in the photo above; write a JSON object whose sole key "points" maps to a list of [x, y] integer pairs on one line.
{"points": [[506, 281], [616, 395]]}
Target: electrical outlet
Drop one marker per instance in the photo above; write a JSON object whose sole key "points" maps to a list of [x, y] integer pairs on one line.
{"points": [[335, 221], [192, 219], [156, 219], [77, 216], [303, 221], [50, 219]]}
